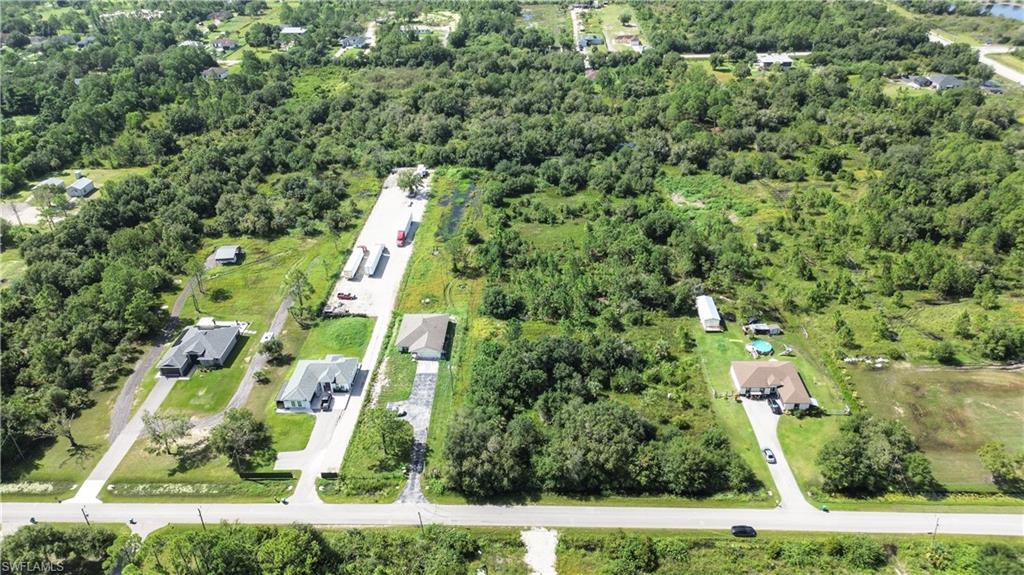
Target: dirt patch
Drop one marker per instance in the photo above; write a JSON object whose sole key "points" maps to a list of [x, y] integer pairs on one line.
{"points": [[681, 200]]}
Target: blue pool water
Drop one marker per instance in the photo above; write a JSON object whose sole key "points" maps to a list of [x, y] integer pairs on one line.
{"points": [[761, 346], [1012, 11]]}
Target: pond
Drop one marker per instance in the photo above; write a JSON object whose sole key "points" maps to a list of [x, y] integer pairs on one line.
{"points": [[1011, 11]]}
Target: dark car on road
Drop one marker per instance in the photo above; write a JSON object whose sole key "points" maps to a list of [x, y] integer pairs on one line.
{"points": [[769, 455], [743, 531], [325, 403], [775, 406]]}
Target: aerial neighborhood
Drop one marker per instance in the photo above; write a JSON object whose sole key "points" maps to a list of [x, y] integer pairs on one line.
{"points": [[512, 287]]}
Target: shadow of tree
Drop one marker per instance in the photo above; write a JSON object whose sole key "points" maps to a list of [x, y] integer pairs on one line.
{"points": [[190, 457]]}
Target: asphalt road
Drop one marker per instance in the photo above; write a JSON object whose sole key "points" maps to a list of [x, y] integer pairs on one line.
{"points": [[151, 516], [765, 424]]}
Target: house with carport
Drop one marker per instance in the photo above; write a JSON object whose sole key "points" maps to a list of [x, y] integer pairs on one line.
{"points": [[763, 379], [314, 379]]}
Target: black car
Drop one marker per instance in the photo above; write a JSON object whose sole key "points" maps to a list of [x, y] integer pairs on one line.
{"points": [[775, 406], [325, 403], [743, 531]]}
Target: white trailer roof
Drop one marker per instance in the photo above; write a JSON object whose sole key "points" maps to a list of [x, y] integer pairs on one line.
{"points": [[352, 265], [706, 308]]}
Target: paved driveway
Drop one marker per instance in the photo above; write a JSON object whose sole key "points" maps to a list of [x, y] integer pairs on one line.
{"points": [[765, 424], [418, 408]]}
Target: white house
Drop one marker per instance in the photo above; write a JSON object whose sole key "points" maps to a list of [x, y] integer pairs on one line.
{"points": [[228, 254], [708, 313], [313, 379], [81, 188], [766, 61]]}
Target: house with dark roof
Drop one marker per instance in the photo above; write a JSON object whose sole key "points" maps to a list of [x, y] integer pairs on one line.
{"points": [[759, 379], [207, 343], [940, 82], [423, 335], [762, 329], [85, 41], [918, 81], [992, 87], [589, 40], [315, 379]]}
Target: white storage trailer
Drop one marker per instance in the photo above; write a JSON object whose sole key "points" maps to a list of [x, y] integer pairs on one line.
{"points": [[352, 265], [376, 252]]}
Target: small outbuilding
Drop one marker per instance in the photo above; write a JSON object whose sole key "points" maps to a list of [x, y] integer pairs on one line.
{"points": [[228, 254], [51, 182], [207, 343], [423, 335], [354, 42], [710, 320], [762, 329], [314, 379], [292, 30], [81, 188]]}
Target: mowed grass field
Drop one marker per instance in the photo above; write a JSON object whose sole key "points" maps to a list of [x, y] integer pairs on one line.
{"points": [[551, 18], [611, 26], [952, 413]]}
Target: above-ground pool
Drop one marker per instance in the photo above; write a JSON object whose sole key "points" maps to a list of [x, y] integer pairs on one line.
{"points": [[761, 346]]}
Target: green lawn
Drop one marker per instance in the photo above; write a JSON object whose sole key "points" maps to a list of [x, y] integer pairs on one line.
{"points": [[717, 351], [551, 18], [952, 413], [58, 472], [610, 25], [12, 267], [1009, 60], [346, 336]]}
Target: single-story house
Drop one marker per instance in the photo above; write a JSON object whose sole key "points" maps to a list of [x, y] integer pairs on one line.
{"points": [[940, 82], [423, 335], [353, 42], [56, 182], [766, 378], [81, 188], [766, 61], [215, 73], [228, 254], [224, 44], [589, 40], [206, 343], [296, 30], [220, 17], [315, 378], [628, 39], [762, 329], [708, 314], [190, 44]]}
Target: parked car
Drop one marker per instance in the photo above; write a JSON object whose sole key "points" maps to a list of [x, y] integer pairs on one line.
{"points": [[325, 403], [743, 531], [775, 406], [346, 296], [768, 455]]}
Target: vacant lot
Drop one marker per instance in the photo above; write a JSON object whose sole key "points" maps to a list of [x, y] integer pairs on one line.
{"points": [[952, 413], [550, 18]]}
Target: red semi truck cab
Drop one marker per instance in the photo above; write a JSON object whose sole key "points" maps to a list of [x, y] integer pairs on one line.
{"points": [[403, 233]]}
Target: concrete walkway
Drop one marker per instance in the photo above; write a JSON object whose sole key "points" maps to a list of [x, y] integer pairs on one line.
{"points": [[417, 412], [90, 489], [333, 430], [541, 546], [765, 424]]}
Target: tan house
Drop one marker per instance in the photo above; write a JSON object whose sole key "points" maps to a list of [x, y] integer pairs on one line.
{"points": [[423, 335], [759, 379]]}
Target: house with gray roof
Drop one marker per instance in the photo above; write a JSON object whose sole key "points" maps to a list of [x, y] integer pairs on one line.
{"points": [[223, 44], [50, 182], [215, 73], [354, 42], [81, 188], [208, 344], [423, 335], [228, 254], [316, 378], [940, 82]]}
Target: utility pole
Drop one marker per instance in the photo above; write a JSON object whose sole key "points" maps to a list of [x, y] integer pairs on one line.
{"points": [[936, 531], [201, 518], [421, 520], [86, 515]]}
